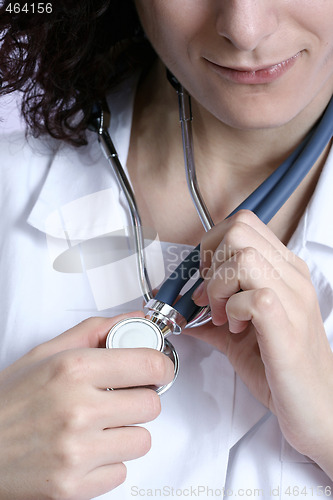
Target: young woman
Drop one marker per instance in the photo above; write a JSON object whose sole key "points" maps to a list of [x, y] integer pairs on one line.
{"points": [[250, 413]]}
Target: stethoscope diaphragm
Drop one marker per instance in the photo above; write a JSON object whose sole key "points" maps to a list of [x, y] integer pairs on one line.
{"points": [[142, 332]]}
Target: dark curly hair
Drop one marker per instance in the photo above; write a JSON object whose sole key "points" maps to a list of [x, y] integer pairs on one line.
{"points": [[63, 60]]}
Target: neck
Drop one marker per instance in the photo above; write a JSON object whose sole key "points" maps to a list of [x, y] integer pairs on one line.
{"points": [[218, 147], [258, 151], [230, 163]]}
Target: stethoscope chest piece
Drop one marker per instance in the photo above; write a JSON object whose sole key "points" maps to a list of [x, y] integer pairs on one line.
{"points": [[142, 332]]}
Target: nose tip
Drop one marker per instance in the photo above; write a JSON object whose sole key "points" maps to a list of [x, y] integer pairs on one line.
{"points": [[245, 23]]}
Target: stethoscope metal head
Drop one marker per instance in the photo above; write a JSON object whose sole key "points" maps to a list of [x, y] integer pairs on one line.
{"points": [[168, 319], [143, 332]]}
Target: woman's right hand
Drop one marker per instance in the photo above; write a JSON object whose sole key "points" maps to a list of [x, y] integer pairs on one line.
{"points": [[62, 434]]}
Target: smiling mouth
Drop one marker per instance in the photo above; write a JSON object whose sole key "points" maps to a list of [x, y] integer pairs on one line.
{"points": [[255, 76]]}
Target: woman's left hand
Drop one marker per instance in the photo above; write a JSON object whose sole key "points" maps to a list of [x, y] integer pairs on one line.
{"points": [[267, 320]]}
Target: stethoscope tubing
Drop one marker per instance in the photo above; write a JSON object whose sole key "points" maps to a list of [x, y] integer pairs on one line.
{"points": [[271, 195], [265, 202]]}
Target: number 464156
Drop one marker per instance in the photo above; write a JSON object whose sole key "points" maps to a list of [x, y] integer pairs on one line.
{"points": [[30, 8]]}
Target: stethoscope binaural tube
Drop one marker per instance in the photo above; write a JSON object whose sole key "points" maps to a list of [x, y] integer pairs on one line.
{"points": [[99, 123]]}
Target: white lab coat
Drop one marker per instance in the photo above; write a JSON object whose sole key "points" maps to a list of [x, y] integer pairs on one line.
{"points": [[212, 439]]}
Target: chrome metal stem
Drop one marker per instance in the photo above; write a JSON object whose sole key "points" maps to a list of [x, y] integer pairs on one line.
{"points": [[111, 155], [168, 319], [185, 116]]}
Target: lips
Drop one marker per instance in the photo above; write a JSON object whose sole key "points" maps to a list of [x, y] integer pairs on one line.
{"points": [[255, 76]]}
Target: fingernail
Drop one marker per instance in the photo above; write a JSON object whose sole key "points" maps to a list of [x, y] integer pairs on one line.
{"points": [[198, 292]]}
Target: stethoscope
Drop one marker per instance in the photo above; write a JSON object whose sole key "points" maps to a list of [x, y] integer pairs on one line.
{"points": [[164, 314]]}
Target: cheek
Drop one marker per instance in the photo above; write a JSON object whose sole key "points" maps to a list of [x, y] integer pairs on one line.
{"points": [[328, 46], [171, 26], [315, 19], [321, 55]]}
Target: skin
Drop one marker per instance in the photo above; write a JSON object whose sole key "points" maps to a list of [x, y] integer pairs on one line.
{"points": [[265, 313], [235, 148], [243, 33], [271, 330]]}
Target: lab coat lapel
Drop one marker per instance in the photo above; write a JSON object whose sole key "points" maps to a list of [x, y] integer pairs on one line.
{"points": [[69, 179], [247, 412], [313, 242], [70, 175], [195, 424]]}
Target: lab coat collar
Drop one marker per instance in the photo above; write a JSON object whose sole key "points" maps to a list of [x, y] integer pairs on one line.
{"points": [[316, 223], [313, 239], [247, 412], [69, 177]]}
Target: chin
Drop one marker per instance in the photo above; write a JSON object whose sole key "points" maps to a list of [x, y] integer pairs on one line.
{"points": [[256, 122], [256, 113]]}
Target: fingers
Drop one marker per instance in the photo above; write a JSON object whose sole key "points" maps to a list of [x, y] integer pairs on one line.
{"points": [[247, 255], [242, 230], [97, 482], [91, 464], [86, 451], [109, 368], [139, 367], [119, 445], [246, 270], [263, 308], [125, 407], [91, 332], [98, 410]]}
